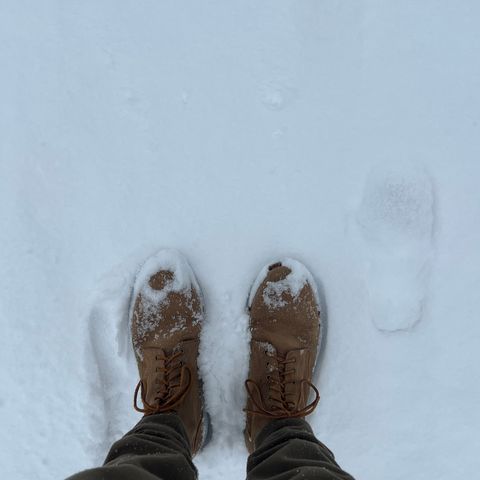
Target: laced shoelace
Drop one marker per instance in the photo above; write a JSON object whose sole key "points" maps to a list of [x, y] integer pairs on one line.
{"points": [[282, 405], [170, 379]]}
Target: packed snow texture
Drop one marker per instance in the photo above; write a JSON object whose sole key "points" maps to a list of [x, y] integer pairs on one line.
{"points": [[341, 133]]}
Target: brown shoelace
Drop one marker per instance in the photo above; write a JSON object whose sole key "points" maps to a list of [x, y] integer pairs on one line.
{"points": [[169, 394], [282, 406]]}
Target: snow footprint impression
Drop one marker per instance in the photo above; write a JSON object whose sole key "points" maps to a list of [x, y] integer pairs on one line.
{"points": [[395, 222], [110, 360]]}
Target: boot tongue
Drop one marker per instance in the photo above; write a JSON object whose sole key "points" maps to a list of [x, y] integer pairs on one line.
{"points": [[292, 380], [160, 374], [285, 378], [276, 393], [285, 372], [154, 374]]}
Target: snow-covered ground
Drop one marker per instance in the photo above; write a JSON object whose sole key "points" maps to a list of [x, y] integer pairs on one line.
{"points": [[344, 133]]}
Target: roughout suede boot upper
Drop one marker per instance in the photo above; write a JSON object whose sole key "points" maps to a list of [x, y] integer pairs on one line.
{"points": [[166, 319], [285, 325]]}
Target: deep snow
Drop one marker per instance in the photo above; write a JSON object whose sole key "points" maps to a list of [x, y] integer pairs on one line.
{"points": [[241, 132]]}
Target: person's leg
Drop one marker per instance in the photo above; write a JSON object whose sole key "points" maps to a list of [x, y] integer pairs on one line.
{"points": [[287, 449], [157, 448]]}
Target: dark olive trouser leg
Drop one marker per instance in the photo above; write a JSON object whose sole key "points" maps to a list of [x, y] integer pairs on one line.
{"points": [[288, 450], [156, 448]]}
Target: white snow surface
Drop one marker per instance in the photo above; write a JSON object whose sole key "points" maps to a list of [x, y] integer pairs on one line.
{"points": [[240, 133]]}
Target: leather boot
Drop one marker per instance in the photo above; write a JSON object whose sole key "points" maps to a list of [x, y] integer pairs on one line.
{"points": [[285, 326], [166, 317]]}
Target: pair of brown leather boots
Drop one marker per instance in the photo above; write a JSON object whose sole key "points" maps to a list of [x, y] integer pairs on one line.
{"points": [[166, 320]]}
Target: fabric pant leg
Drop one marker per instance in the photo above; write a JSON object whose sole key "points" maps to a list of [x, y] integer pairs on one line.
{"points": [[287, 449], [156, 448]]}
